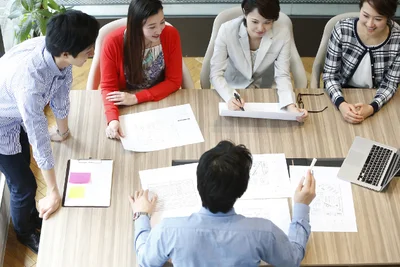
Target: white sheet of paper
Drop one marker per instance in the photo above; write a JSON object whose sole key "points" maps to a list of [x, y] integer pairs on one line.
{"points": [[259, 111], [275, 210], [94, 193], [332, 210], [176, 188], [269, 178], [160, 129]]}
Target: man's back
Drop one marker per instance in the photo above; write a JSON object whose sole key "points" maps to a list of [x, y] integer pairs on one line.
{"points": [[207, 239]]}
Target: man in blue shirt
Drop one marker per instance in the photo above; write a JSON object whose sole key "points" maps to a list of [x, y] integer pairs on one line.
{"points": [[35, 73], [216, 235]]}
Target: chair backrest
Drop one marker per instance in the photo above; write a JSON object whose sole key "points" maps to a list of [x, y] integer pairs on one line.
{"points": [[296, 65], [94, 76], [319, 60]]}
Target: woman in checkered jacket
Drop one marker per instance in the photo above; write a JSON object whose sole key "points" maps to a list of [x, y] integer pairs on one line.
{"points": [[364, 52]]}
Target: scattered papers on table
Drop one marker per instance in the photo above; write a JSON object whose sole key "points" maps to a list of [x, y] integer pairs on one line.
{"points": [[332, 210], [259, 111], [88, 183], [269, 178], [160, 129], [275, 210], [176, 188]]}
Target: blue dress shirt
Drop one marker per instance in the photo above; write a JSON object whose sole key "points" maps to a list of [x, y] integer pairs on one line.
{"points": [[29, 80], [222, 239]]}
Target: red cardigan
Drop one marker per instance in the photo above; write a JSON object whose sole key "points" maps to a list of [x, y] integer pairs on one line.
{"points": [[112, 69]]}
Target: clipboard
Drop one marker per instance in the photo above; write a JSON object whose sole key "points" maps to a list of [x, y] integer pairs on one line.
{"points": [[88, 183]]}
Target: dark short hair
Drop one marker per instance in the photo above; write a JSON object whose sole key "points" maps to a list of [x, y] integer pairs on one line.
{"points": [[386, 8], [223, 174], [269, 9], [71, 32], [134, 43]]}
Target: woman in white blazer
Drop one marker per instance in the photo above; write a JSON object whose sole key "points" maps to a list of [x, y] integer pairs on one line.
{"points": [[246, 47]]}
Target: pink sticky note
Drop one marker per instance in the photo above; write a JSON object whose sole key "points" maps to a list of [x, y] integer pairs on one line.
{"points": [[79, 177]]}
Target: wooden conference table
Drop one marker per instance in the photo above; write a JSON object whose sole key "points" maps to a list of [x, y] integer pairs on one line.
{"points": [[94, 237]]}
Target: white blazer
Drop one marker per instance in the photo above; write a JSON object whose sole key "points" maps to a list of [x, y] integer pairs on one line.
{"points": [[231, 66]]}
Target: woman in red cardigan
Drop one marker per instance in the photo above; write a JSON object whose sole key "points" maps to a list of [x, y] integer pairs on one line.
{"points": [[140, 62]]}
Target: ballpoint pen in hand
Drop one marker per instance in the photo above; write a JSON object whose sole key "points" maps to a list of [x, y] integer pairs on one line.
{"points": [[237, 97]]}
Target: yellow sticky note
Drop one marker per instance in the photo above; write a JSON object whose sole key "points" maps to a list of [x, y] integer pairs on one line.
{"points": [[76, 192]]}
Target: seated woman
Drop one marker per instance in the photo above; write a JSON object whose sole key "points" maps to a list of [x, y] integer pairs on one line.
{"points": [[246, 47], [144, 59], [363, 52]]}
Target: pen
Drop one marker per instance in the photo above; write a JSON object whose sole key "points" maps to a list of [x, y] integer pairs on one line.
{"points": [[311, 167], [237, 97], [312, 164]]}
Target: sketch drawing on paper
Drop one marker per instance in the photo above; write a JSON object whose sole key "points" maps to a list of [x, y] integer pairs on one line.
{"points": [[259, 174], [174, 195], [329, 201]]}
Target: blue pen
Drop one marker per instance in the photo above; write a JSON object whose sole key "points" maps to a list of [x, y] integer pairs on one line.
{"points": [[237, 97]]}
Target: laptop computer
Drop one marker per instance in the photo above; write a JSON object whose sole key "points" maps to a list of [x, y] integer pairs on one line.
{"points": [[370, 164]]}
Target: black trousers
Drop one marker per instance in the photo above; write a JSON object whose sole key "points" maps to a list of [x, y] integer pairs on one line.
{"points": [[22, 185]]}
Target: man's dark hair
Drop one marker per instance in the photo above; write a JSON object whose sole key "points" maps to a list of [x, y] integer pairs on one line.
{"points": [[71, 32], [223, 174], [386, 8], [268, 9]]}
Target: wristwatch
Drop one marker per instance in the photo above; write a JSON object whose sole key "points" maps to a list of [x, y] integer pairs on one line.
{"points": [[136, 215], [63, 135]]}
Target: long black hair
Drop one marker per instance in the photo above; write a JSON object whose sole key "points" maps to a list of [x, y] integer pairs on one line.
{"points": [[139, 11]]}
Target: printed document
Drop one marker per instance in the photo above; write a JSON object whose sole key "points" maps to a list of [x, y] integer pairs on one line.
{"points": [[160, 129], [269, 178], [332, 210], [259, 111]]}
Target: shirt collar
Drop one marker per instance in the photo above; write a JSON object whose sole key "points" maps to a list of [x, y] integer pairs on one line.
{"points": [[218, 214], [48, 58]]}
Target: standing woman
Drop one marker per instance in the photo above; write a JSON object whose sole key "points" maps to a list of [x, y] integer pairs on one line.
{"points": [[364, 52], [246, 47], [140, 62]]}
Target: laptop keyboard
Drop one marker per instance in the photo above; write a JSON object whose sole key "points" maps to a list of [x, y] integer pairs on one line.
{"points": [[375, 164]]}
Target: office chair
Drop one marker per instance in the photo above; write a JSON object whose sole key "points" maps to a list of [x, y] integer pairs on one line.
{"points": [[296, 65], [93, 81], [319, 60]]}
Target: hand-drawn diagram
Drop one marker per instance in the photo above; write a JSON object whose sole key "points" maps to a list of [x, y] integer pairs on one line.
{"points": [[174, 195], [259, 173], [328, 202], [268, 177]]}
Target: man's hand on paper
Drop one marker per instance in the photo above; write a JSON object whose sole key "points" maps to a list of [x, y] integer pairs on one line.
{"points": [[140, 202], [305, 193], [49, 204], [113, 130], [234, 104], [293, 108], [350, 113], [122, 98]]}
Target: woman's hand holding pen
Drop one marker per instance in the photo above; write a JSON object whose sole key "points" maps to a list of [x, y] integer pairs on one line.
{"points": [[234, 104], [293, 108]]}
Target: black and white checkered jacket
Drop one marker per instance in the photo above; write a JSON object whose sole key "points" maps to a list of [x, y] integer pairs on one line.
{"points": [[344, 54]]}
